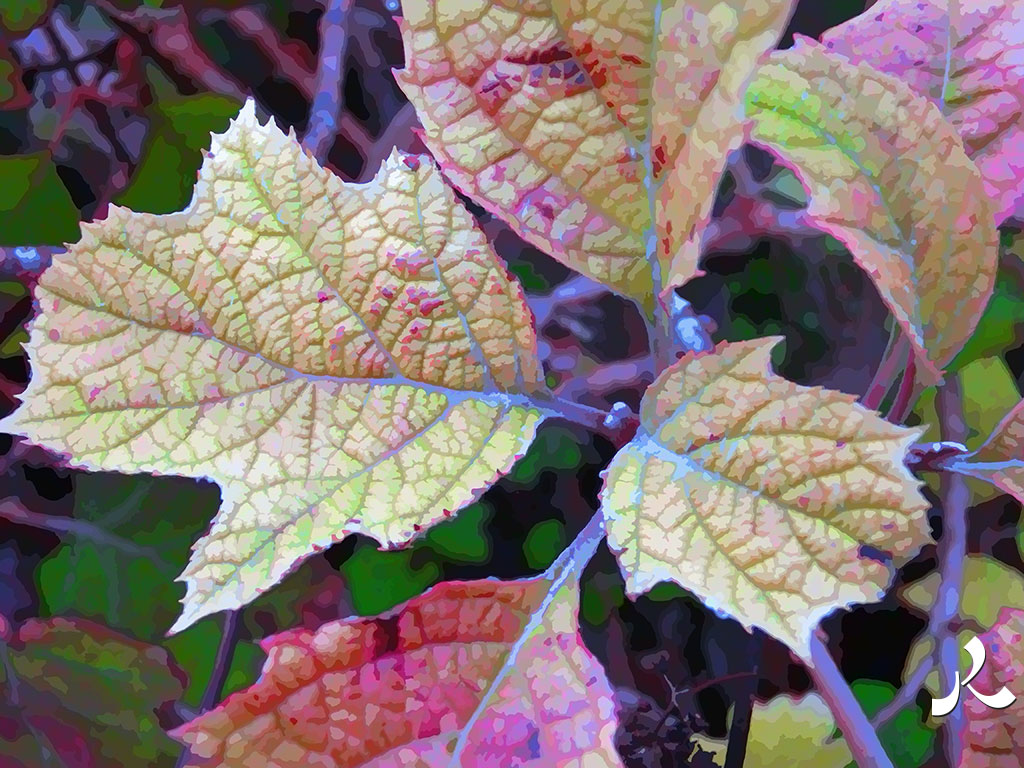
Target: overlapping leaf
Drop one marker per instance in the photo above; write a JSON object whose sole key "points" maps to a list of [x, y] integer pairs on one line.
{"points": [[495, 670], [994, 738], [1000, 460], [890, 178], [757, 494], [337, 357], [967, 56], [75, 694], [582, 123]]}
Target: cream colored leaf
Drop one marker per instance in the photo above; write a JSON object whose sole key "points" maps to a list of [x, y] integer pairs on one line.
{"points": [[338, 358], [889, 177], [581, 123], [758, 494]]}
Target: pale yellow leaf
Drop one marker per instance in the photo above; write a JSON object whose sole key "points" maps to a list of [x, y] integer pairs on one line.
{"points": [[338, 358], [889, 177], [582, 123], [758, 494]]}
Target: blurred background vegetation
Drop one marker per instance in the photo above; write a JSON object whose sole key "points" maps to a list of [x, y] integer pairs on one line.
{"points": [[112, 103]]}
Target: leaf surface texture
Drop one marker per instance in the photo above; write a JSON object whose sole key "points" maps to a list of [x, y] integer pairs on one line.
{"points": [[464, 664], [587, 124], [338, 358], [758, 494]]}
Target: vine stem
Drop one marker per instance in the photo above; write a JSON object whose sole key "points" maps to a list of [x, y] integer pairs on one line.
{"points": [[617, 428], [952, 552], [860, 736], [326, 107]]}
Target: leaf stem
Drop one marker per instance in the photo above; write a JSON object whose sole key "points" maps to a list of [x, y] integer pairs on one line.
{"points": [[860, 736], [904, 399], [219, 675], [618, 429], [952, 552], [326, 106]]}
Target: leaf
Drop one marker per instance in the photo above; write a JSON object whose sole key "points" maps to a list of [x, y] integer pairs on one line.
{"points": [[787, 732], [994, 738], [338, 358], [988, 390], [1000, 326], [759, 495], [988, 586], [1000, 460], [77, 695], [552, 115], [497, 667], [119, 570], [35, 207], [981, 42], [889, 178]]}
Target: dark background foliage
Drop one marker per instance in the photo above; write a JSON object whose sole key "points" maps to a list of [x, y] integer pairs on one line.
{"points": [[111, 103]]}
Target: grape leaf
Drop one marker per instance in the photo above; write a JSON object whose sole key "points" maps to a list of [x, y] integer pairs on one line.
{"points": [[338, 357], [1000, 460], [994, 738], [493, 670], [76, 694], [981, 42], [757, 494], [583, 123], [889, 178]]}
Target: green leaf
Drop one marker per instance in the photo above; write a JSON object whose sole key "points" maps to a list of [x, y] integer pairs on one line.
{"points": [[35, 207], [21, 15], [123, 574], [543, 543], [906, 739], [73, 693]]}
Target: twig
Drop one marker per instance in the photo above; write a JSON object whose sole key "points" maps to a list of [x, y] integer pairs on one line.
{"points": [[905, 695], [952, 553], [249, 23], [904, 399], [323, 114], [742, 713], [860, 736], [222, 662], [12, 510]]}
